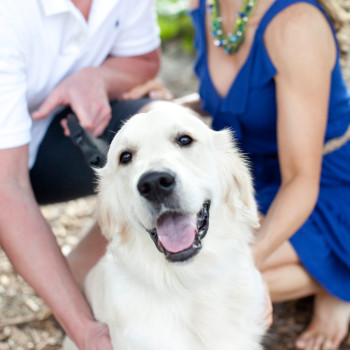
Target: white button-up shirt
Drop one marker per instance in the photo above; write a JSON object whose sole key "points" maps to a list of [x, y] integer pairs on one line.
{"points": [[44, 41]]}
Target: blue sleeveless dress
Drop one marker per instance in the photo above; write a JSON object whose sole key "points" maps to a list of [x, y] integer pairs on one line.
{"points": [[249, 109]]}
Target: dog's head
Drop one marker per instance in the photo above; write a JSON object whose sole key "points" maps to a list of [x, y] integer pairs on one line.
{"points": [[166, 173]]}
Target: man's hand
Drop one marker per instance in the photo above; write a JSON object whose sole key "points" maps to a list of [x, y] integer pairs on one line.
{"points": [[85, 92], [98, 338]]}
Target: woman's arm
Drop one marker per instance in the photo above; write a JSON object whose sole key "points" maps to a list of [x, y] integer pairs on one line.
{"points": [[301, 46], [31, 247], [154, 88]]}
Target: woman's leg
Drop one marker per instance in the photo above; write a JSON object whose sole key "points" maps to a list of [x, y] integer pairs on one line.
{"points": [[284, 255], [288, 280]]}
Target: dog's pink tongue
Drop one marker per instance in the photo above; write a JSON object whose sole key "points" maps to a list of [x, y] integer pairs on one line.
{"points": [[176, 231]]}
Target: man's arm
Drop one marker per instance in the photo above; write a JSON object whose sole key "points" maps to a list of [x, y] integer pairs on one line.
{"points": [[32, 249], [89, 90], [123, 73]]}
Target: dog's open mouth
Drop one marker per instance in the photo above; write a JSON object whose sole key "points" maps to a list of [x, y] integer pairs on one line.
{"points": [[179, 235]]}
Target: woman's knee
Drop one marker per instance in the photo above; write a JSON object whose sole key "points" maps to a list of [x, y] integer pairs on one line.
{"points": [[283, 255]]}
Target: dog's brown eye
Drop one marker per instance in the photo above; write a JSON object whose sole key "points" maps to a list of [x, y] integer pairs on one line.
{"points": [[125, 158], [184, 140]]}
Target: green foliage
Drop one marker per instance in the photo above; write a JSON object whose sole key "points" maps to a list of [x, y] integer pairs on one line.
{"points": [[174, 22]]}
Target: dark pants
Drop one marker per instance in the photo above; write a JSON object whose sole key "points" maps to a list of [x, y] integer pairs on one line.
{"points": [[60, 172]]}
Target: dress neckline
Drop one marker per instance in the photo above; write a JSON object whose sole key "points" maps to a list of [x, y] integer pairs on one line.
{"points": [[245, 63], [236, 99]]}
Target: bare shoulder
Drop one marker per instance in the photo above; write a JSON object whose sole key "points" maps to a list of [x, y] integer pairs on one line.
{"points": [[301, 32], [193, 4]]}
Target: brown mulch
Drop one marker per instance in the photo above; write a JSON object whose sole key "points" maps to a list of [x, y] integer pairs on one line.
{"points": [[27, 323]]}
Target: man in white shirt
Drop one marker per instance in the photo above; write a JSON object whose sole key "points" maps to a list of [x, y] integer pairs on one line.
{"points": [[55, 53]]}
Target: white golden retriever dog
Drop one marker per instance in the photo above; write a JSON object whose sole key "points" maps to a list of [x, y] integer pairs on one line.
{"points": [[176, 202]]}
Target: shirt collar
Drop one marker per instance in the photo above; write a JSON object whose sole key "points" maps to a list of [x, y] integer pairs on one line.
{"points": [[54, 7]]}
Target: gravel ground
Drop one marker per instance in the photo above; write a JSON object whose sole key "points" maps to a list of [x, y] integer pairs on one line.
{"points": [[26, 322]]}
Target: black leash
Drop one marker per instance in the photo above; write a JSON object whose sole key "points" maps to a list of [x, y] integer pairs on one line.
{"points": [[93, 150]]}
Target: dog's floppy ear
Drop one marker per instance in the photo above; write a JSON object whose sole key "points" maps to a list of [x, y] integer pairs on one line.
{"points": [[108, 207], [234, 171]]}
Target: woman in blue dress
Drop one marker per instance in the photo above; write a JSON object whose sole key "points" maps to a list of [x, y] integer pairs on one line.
{"points": [[282, 92]]}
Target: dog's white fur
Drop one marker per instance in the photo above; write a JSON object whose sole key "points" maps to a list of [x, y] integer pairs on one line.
{"points": [[216, 299]]}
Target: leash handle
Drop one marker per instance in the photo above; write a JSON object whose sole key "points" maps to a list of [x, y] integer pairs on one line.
{"points": [[91, 151]]}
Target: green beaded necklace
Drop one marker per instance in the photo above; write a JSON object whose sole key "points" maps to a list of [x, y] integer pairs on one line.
{"points": [[233, 40]]}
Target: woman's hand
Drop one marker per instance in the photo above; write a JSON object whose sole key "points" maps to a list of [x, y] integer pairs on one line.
{"points": [[268, 310], [260, 245], [153, 89], [258, 251]]}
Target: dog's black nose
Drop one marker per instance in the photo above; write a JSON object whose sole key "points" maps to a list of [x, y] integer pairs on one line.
{"points": [[155, 186]]}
